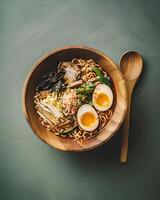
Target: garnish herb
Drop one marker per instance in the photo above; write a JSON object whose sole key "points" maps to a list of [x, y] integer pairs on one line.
{"points": [[86, 88], [102, 79]]}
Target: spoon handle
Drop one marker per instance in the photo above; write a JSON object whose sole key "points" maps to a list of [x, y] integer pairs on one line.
{"points": [[125, 130]]}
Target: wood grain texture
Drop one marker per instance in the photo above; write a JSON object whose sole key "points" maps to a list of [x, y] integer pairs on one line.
{"points": [[131, 66], [50, 60]]}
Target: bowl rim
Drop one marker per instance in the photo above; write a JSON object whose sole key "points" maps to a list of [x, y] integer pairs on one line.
{"points": [[43, 57]]}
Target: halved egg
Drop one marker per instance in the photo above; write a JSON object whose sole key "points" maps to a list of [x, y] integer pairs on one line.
{"points": [[87, 118], [102, 97]]}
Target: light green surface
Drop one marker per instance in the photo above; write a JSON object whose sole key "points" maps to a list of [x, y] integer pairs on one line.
{"points": [[29, 169]]}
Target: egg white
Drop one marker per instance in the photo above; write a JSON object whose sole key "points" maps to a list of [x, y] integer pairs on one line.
{"points": [[102, 89], [87, 108]]}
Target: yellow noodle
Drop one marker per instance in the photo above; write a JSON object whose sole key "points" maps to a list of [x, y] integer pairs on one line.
{"points": [[87, 75]]}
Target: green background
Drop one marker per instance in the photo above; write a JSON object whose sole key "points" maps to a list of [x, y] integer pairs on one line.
{"points": [[31, 170]]}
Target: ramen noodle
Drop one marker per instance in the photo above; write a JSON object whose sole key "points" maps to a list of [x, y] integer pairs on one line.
{"points": [[80, 89]]}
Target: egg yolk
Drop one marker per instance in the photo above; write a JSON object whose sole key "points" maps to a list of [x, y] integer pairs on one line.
{"points": [[87, 119], [102, 100]]}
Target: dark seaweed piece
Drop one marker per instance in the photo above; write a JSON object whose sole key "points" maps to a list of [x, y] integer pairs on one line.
{"points": [[58, 86], [52, 82]]}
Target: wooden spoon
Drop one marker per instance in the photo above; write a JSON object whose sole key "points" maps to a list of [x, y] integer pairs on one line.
{"points": [[131, 66]]}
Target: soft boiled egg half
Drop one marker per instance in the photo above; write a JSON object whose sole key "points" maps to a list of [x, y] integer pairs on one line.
{"points": [[102, 97], [87, 118]]}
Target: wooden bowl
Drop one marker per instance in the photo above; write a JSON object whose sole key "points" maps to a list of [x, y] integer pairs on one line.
{"points": [[51, 60]]}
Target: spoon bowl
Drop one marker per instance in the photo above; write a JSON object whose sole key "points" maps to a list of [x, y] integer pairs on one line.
{"points": [[131, 65]]}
